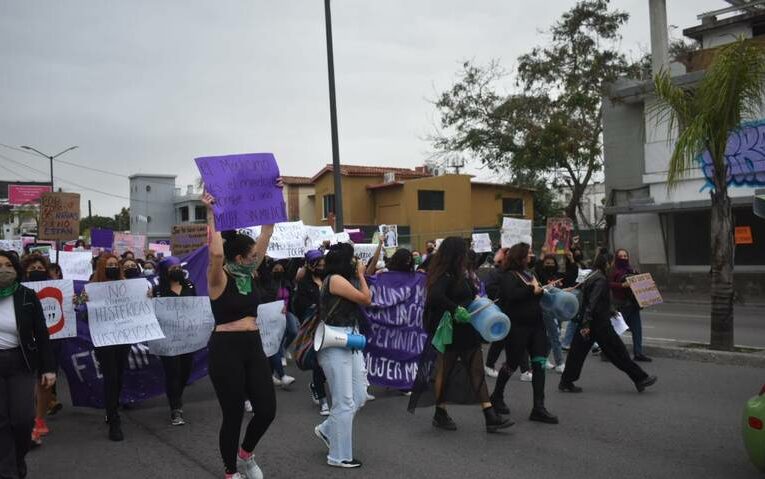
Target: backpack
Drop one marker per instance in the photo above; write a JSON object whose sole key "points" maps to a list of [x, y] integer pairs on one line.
{"points": [[305, 354]]}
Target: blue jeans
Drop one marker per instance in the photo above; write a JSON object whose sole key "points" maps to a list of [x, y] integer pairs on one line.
{"points": [[632, 318], [553, 335], [568, 336], [291, 331], [347, 380]]}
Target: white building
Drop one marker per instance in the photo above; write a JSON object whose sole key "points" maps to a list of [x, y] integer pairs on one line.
{"points": [[591, 213]]}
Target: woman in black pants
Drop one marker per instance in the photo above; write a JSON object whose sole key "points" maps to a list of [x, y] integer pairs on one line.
{"points": [[239, 369], [596, 326], [174, 284], [25, 350], [519, 293]]}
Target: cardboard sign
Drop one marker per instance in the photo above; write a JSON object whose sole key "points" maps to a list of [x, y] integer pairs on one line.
{"points": [[187, 238], [245, 191], [186, 322], [744, 235], [76, 265], [19, 195], [389, 235], [126, 242], [482, 243], [271, 322], [515, 231], [60, 216], [558, 236], [645, 290], [58, 308], [287, 241]]}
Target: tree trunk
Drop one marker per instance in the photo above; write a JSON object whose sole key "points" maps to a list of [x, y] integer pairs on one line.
{"points": [[721, 262], [577, 191]]}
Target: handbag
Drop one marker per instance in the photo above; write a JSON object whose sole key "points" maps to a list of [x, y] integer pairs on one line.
{"points": [[305, 354]]}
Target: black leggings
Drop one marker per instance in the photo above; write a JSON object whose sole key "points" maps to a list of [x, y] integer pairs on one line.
{"points": [[177, 372], [239, 370], [112, 361]]}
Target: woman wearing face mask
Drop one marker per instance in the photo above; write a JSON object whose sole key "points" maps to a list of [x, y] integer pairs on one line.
{"points": [[550, 276], [239, 369], [625, 301], [173, 284], [24, 351], [130, 269]]}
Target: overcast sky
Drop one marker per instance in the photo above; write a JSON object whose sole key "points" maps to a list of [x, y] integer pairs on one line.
{"points": [[145, 86]]}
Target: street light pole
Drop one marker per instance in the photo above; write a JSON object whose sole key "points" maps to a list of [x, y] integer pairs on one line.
{"points": [[339, 224], [51, 158]]}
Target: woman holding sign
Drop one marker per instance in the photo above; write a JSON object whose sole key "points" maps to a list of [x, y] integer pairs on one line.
{"points": [[239, 369], [24, 349], [626, 302]]}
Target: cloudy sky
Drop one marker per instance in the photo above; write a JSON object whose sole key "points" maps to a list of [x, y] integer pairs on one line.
{"points": [[145, 86]]}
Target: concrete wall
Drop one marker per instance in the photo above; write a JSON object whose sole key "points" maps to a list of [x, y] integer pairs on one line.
{"points": [[454, 220], [300, 203], [623, 140], [152, 198], [486, 209], [358, 208]]}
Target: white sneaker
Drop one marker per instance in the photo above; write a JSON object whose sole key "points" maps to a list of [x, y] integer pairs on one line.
{"points": [[277, 381], [324, 408], [560, 368], [248, 468], [491, 372], [370, 397], [549, 365], [526, 377], [284, 362], [288, 355], [248, 406], [286, 381]]}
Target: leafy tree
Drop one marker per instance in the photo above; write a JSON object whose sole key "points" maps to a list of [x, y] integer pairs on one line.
{"points": [[552, 123], [122, 220], [732, 90], [103, 222]]}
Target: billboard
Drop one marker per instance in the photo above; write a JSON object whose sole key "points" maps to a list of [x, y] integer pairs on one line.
{"points": [[19, 195]]}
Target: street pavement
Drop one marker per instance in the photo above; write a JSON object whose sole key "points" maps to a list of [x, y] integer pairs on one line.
{"points": [[687, 426]]}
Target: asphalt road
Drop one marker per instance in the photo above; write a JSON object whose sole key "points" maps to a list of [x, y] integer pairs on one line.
{"points": [[687, 426]]}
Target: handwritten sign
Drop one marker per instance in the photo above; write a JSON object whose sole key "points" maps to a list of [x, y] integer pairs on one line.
{"points": [[645, 290], [515, 231], [60, 216], [343, 237], [245, 191], [76, 265], [482, 243], [317, 235], [272, 322], [288, 240], [743, 235], [185, 239], [187, 323], [120, 312], [160, 249], [56, 299], [364, 251], [12, 245], [558, 236], [126, 242]]}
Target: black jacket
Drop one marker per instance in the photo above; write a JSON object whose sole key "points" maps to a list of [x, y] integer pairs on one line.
{"points": [[33, 331], [596, 301], [306, 294], [447, 294], [516, 298]]}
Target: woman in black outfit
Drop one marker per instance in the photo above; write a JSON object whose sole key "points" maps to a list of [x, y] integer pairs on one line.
{"points": [[449, 289], [519, 293], [239, 369], [25, 352], [174, 284], [596, 326]]}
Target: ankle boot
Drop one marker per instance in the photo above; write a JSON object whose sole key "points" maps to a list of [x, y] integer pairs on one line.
{"points": [[442, 420], [495, 422], [540, 413]]}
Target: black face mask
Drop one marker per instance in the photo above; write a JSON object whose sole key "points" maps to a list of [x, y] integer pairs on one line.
{"points": [[131, 273], [319, 273], [113, 272], [37, 276], [578, 257], [278, 275], [551, 269], [177, 275]]}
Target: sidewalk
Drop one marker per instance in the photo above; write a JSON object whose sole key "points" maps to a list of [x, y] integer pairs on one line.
{"points": [[698, 298]]}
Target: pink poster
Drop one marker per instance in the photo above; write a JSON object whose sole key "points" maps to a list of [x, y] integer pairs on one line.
{"points": [[558, 239], [26, 194]]}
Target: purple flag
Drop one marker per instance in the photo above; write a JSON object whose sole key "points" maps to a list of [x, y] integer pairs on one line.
{"points": [[101, 238], [245, 191]]}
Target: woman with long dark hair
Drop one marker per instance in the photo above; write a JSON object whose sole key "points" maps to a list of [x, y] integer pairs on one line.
{"points": [[239, 369], [344, 368], [459, 373], [174, 284], [24, 351], [625, 301], [519, 293], [596, 326]]}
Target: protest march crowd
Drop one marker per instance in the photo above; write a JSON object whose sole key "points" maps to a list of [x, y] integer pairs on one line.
{"points": [[236, 310]]}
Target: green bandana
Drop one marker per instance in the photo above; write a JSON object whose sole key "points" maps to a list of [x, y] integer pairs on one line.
{"points": [[242, 274], [445, 331], [8, 291]]}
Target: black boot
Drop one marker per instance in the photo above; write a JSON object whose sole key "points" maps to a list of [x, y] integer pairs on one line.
{"points": [[540, 413], [115, 429], [644, 383], [568, 387], [498, 403], [495, 422], [442, 420]]}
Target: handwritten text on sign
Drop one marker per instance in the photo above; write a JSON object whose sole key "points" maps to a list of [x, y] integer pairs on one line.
{"points": [[245, 191], [271, 322], [515, 231], [60, 216], [645, 290], [187, 323], [288, 240], [124, 242], [120, 312], [56, 299], [185, 239], [76, 265]]}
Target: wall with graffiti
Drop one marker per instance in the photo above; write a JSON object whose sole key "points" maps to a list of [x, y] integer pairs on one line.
{"points": [[744, 155]]}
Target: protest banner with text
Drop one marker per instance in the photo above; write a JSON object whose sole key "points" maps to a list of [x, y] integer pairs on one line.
{"points": [[287, 241], [187, 238], [365, 251], [482, 243], [317, 235], [515, 231], [644, 288], [245, 191], [76, 265], [186, 322], [160, 249], [127, 242], [271, 322], [59, 216], [58, 308]]}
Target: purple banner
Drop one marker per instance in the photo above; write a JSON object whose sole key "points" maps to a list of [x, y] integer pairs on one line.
{"points": [[101, 238], [195, 263], [397, 336], [245, 191]]}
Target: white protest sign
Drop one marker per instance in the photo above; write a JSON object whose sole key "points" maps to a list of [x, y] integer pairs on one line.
{"points": [[315, 236], [515, 231], [271, 322], [187, 323], [158, 248], [58, 308], [389, 235], [482, 243], [583, 274], [12, 245], [76, 265], [120, 312], [364, 251], [343, 237], [288, 240]]}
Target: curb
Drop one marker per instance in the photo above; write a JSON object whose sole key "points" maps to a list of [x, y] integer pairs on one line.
{"points": [[706, 302], [680, 350]]}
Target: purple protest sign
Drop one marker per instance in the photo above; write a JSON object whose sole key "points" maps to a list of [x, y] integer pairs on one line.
{"points": [[397, 336], [245, 191], [101, 238]]}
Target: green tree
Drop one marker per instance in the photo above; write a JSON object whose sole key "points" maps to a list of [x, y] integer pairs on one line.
{"points": [[103, 222], [732, 90], [122, 220], [552, 124]]}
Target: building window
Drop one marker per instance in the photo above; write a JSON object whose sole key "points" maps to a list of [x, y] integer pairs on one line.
{"points": [[148, 188], [512, 206], [148, 219], [430, 200], [184, 213], [200, 213], [329, 205]]}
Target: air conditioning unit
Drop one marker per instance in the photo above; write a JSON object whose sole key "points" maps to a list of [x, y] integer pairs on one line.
{"points": [[389, 177]]}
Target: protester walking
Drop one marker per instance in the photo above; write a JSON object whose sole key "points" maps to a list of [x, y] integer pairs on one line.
{"points": [[625, 301], [550, 276]]}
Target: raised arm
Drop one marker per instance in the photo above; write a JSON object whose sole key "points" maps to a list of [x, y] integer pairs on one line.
{"points": [[216, 277], [340, 286], [372, 267]]}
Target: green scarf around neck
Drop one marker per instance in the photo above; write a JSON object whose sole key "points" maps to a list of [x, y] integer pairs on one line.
{"points": [[242, 275], [9, 290]]}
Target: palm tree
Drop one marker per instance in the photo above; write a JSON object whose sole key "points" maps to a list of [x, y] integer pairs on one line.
{"points": [[732, 90]]}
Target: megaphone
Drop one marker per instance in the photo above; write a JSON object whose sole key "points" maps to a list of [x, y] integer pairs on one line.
{"points": [[335, 337], [490, 322]]}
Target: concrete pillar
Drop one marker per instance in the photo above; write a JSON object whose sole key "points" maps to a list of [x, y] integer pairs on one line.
{"points": [[659, 35]]}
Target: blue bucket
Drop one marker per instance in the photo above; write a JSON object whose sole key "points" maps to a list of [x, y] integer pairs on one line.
{"points": [[490, 322], [566, 306], [547, 302]]}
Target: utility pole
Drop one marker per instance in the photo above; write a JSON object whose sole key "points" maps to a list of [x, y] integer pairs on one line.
{"points": [[49, 157], [339, 224]]}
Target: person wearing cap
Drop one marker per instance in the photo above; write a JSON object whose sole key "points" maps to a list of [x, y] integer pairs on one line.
{"points": [[174, 284]]}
